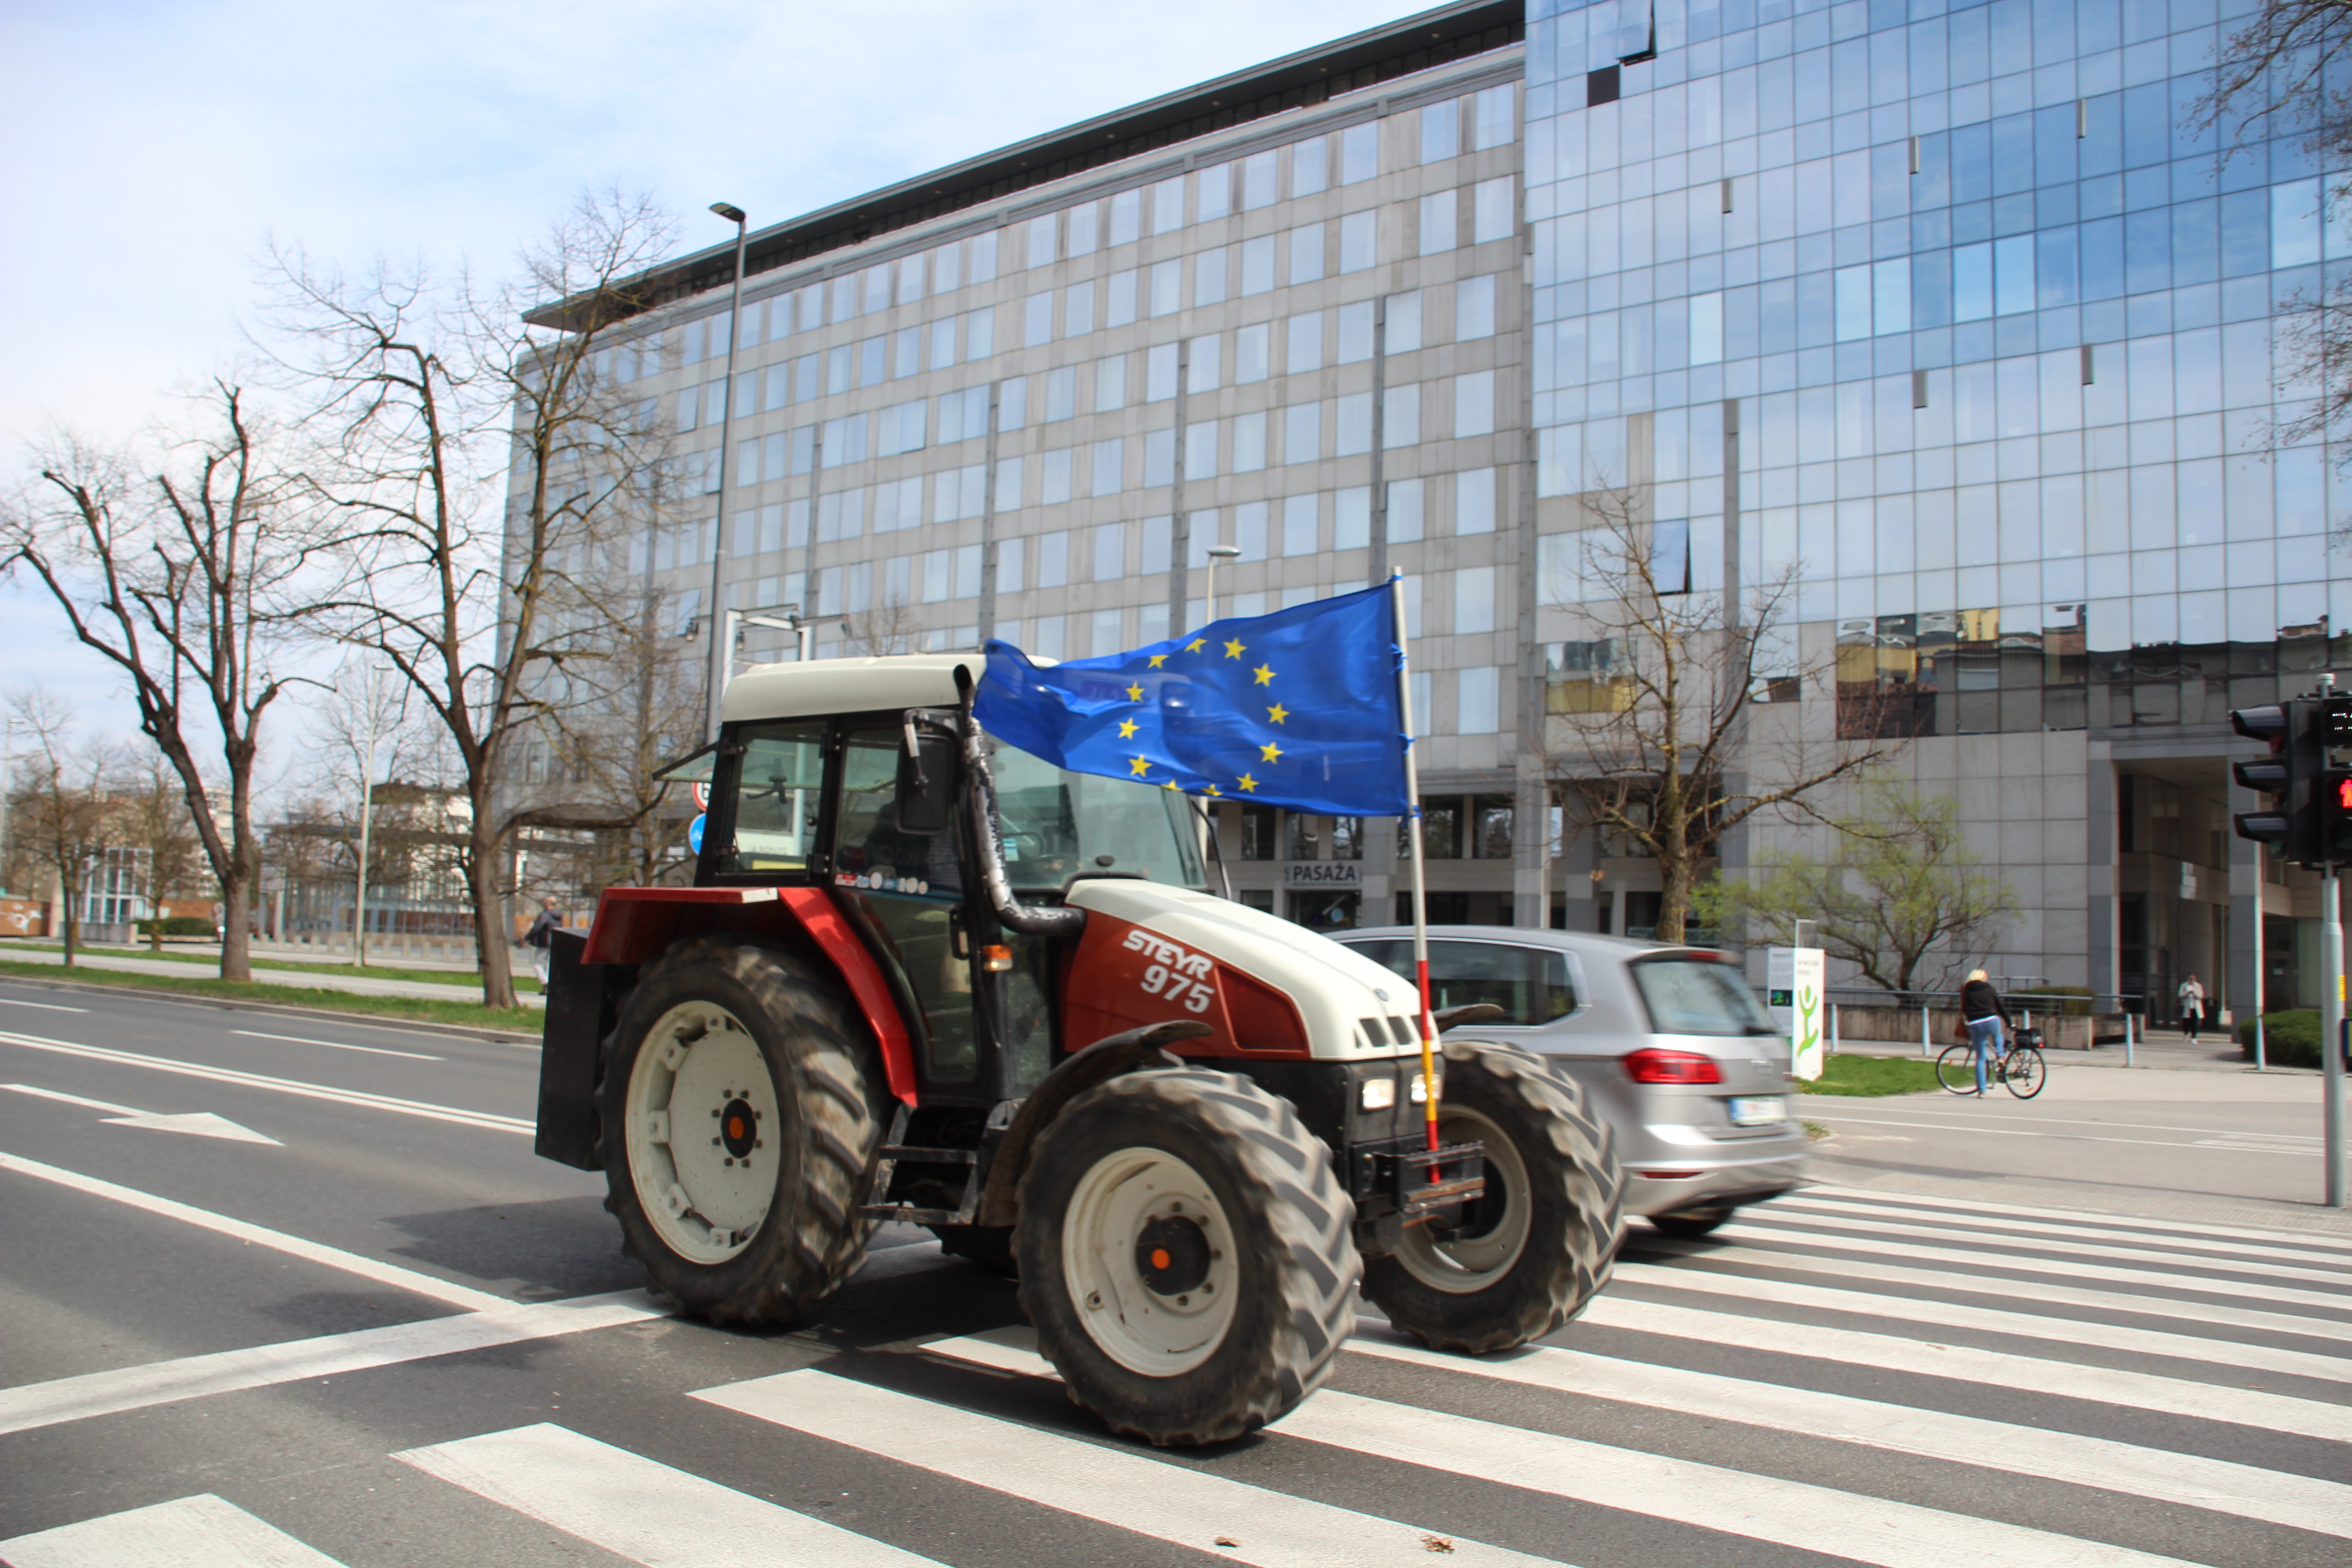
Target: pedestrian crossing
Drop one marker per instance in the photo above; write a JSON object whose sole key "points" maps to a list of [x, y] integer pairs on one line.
{"points": [[1840, 1376]]}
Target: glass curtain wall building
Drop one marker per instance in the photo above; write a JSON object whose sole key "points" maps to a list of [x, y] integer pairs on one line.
{"points": [[1994, 331]]}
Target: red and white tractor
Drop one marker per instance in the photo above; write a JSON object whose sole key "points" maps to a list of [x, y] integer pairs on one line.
{"points": [[919, 977]]}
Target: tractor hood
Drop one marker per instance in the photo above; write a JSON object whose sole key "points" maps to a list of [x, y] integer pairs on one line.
{"points": [[1264, 987]]}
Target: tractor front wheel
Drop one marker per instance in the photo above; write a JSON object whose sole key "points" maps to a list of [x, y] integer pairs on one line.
{"points": [[1184, 1255], [1527, 1255], [738, 1125]]}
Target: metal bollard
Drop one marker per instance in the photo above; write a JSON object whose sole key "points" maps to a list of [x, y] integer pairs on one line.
{"points": [[2127, 1037], [2260, 1064], [1924, 1048], [1833, 1028]]}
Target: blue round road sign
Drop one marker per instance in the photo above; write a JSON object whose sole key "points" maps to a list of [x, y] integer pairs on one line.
{"points": [[694, 835]]}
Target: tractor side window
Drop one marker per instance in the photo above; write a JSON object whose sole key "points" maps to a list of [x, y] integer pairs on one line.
{"points": [[777, 789], [867, 841]]}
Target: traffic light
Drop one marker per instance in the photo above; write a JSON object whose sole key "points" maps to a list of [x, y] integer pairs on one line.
{"points": [[2307, 819], [2335, 799], [2272, 776]]}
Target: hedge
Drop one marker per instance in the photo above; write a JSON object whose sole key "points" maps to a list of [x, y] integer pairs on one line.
{"points": [[2289, 1039], [178, 925]]}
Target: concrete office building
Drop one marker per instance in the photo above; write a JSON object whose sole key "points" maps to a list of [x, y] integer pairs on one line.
{"points": [[1991, 335]]}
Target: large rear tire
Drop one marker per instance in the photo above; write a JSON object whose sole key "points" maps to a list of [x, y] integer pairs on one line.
{"points": [[738, 1124], [1185, 1255], [1527, 1257]]}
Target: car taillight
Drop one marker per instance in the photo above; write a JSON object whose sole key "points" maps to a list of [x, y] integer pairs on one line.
{"points": [[1654, 1066]]}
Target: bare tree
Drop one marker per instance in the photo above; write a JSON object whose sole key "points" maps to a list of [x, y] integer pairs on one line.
{"points": [[2285, 74], [1659, 739], [487, 470], [60, 816], [890, 627], [190, 580], [1902, 892], [654, 713], [362, 721], [153, 818]]}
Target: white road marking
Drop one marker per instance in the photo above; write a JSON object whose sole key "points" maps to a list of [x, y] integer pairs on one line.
{"points": [[2313, 1153], [30, 1405], [203, 1124], [2119, 1227], [1983, 1131], [645, 1511], [1849, 1526], [1113, 1485], [2299, 1502], [2067, 1331], [1865, 1196], [2017, 1365], [393, 1103], [201, 1531], [44, 1007], [1831, 1230], [389, 1273], [2166, 1279], [338, 1044]]}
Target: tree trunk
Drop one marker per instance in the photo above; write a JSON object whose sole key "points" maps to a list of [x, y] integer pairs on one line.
{"points": [[1673, 898], [236, 926], [492, 939]]}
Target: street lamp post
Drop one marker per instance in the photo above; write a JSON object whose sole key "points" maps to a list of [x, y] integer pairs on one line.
{"points": [[721, 643], [1218, 552]]}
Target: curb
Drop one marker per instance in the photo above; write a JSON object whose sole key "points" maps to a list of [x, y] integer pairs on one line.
{"points": [[286, 1009]]}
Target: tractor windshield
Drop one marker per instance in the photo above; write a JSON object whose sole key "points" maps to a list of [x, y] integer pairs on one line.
{"points": [[1056, 823]]}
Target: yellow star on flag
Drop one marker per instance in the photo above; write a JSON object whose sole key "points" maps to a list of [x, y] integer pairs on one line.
{"points": [[1214, 790], [1169, 784], [1270, 751], [1246, 784], [1265, 673], [1125, 728], [1234, 648], [1134, 692], [1138, 766], [1158, 659], [1276, 714], [1196, 645]]}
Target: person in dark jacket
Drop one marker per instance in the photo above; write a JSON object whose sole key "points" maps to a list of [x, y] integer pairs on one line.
{"points": [[1988, 1019]]}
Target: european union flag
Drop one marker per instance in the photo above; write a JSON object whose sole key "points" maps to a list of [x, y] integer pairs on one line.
{"points": [[1297, 709]]}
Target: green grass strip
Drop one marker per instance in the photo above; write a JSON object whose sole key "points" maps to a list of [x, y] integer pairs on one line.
{"points": [[525, 984], [1874, 1075], [415, 1009]]}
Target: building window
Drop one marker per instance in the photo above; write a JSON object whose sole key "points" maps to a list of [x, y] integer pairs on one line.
{"points": [[1257, 833]]}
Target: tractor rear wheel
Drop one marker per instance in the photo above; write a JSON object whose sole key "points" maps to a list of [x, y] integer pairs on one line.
{"points": [[737, 1126], [1524, 1257], [1185, 1255]]}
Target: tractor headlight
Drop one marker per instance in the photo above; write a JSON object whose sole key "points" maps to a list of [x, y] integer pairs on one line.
{"points": [[1379, 1093]]}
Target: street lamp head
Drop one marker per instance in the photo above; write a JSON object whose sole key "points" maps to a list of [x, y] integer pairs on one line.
{"points": [[729, 211], [1225, 551]]}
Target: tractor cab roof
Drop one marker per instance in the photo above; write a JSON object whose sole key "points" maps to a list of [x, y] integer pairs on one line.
{"points": [[846, 686]]}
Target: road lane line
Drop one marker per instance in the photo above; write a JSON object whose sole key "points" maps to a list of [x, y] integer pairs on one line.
{"points": [[1872, 1196], [1164, 1501], [635, 1508], [2299, 1502], [2019, 1367], [1971, 1227], [70, 1098], [44, 1007], [1833, 1228], [200, 1531], [338, 1044], [393, 1103], [2173, 1280], [63, 1399], [1980, 1132], [2068, 1331], [197, 1123], [1850, 1526], [388, 1274]]}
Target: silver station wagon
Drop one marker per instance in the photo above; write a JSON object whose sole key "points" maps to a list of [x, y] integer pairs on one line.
{"points": [[1669, 1045]]}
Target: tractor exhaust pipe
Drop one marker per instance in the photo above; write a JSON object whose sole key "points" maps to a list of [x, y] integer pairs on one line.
{"points": [[1030, 920]]}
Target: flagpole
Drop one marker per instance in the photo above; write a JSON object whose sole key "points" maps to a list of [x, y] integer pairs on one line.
{"points": [[1420, 880]]}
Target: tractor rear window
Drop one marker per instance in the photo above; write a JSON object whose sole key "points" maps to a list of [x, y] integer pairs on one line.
{"points": [[777, 787]]}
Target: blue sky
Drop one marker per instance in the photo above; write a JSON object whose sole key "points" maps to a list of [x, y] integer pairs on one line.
{"points": [[156, 149]]}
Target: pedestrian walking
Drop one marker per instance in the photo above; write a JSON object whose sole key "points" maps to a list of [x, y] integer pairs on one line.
{"points": [[541, 939], [1987, 1017], [2192, 1007]]}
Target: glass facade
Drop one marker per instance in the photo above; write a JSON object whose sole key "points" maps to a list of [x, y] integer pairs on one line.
{"points": [[1997, 331]]}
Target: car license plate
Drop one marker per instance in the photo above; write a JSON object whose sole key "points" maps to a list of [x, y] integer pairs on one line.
{"points": [[1756, 1109]]}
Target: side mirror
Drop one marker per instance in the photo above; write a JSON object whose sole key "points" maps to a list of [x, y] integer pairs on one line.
{"points": [[927, 777]]}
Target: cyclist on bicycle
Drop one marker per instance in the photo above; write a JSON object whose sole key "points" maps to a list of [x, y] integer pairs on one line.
{"points": [[1987, 1018]]}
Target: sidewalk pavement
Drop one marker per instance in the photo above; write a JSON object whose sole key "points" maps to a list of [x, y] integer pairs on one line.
{"points": [[2166, 1050], [125, 961]]}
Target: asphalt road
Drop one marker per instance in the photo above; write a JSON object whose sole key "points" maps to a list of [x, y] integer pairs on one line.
{"points": [[312, 1299]]}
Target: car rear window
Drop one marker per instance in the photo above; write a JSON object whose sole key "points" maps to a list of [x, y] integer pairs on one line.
{"points": [[1530, 984], [1698, 996]]}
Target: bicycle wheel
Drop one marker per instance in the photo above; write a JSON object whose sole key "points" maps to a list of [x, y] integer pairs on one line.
{"points": [[2025, 1072], [1955, 1069]]}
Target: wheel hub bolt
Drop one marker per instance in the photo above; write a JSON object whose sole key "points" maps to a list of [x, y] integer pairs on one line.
{"points": [[1094, 1299]]}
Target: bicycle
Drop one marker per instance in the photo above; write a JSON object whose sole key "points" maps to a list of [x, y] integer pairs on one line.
{"points": [[2021, 1066]]}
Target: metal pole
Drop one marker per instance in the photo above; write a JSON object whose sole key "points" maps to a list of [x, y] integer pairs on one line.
{"points": [[2261, 1065], [1926, 1049], [2331, 1031], [1420, 880], [2128, 1035], [715, 677], [1833, 1028]]}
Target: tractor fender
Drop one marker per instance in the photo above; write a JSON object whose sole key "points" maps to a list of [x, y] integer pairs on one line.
{"points": [[1114, 1055]]}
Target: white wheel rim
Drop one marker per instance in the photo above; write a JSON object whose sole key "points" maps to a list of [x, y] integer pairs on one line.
{"points": [[700, 1097], [1460, 1265], [1143, 1329]]}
